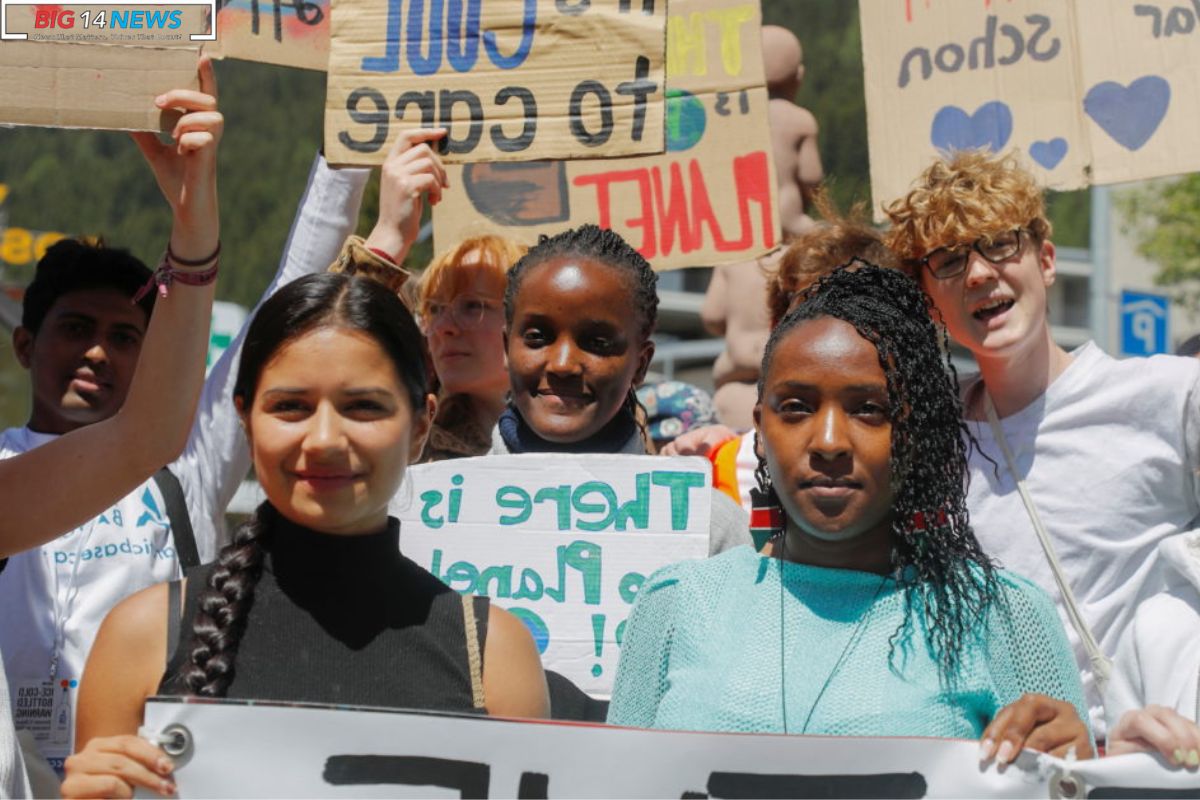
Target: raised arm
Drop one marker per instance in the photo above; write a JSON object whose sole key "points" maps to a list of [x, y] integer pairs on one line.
{"points": [[80, 473]]}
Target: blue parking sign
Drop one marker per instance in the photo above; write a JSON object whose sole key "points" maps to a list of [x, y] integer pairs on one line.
{"points": [[1143, 323]]}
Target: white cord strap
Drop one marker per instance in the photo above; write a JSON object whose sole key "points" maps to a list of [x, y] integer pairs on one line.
{"points": [[1101, 664]]}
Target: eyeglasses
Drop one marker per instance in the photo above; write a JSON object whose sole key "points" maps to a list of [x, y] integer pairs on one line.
{"points": [[465, 311], [950, 262]]}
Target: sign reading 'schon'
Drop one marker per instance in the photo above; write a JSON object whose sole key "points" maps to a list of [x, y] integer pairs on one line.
{"points": [[510, 79], [1087, 92], [709, 199]]}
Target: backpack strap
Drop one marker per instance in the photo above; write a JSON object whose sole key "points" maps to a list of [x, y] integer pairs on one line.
{"points": [[474, 656], [174, 613], [177, 513]]}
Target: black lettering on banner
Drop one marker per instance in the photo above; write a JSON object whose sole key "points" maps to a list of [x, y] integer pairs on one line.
{"points": [[582, 134], [638, 88], [423, 101], [1043, 24], [572, 9], [722, 104], [1124, 792], [515, 144], [378, 118], [533, 786], [470, 778], [736, 785], [447, 99]]}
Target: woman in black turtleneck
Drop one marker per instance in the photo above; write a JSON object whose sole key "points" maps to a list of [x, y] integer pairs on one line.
{"points": [[313, 600]]}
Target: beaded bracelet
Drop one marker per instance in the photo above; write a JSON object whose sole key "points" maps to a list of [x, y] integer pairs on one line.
{"points": [[169, 270]]}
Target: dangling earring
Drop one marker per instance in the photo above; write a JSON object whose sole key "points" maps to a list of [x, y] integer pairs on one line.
{"points": [[766, 515]]}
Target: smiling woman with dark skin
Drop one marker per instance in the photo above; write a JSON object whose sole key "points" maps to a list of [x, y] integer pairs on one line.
{"points": [[580, 308], [575, 351], [873, 611]]}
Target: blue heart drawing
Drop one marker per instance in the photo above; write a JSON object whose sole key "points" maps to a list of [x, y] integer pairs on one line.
{"points": [[989, 127], [1130, 115], [1048, 154]]}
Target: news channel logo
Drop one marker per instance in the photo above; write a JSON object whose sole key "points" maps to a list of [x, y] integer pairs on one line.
{"points": [[142, 22]]}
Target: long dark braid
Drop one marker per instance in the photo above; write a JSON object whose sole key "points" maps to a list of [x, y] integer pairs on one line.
{"points": [[935, 555], [225, 606], [312, 302]]}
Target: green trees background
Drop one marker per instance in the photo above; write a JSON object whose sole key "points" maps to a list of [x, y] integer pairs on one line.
{"points": [[89, 182]]}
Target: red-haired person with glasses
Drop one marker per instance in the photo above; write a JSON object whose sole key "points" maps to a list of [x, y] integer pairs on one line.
{"points": [[1083, 460]]}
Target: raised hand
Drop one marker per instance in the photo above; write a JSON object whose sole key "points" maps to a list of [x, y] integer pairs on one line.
{"points": [[1039, 723], [411, 172], [186, 169]]}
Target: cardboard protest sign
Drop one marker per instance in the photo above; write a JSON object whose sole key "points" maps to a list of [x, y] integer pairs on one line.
{"points": [[1088, 92], [562, 541], [62, 85], [511, 80], [227, 748], [710, 199], [1140, 88], [290, 33]]}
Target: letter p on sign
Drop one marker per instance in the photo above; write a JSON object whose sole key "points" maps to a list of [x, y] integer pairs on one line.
{"points": [[1143, 323]]}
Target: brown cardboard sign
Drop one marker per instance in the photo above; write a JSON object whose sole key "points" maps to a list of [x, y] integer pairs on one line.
{"points": [[513, 80], [1087, 91], [60, 85], [710, 199], [290, 33]]}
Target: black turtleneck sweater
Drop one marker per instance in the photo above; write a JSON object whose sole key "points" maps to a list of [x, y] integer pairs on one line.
{"points": [[343, 620]]}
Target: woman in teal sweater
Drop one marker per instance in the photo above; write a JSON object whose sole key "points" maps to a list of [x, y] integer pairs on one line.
{"points": [[872, 611]]}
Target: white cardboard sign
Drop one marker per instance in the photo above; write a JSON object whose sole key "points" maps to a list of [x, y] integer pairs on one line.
{"points": [[562, 541], [240, 749]]}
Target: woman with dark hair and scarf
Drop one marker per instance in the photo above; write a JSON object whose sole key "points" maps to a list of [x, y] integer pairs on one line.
{"points": [[313, 600], [580, 308], [873, 610]]}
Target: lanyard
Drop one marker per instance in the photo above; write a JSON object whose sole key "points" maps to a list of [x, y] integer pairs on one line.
{"points": [[1101, 664], [62, 611]]}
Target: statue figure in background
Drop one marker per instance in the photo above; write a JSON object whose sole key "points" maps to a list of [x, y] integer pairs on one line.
{"points": [[735, 305]]}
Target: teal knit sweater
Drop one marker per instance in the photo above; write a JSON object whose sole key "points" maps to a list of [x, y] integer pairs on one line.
{"points": [[743, 642]]}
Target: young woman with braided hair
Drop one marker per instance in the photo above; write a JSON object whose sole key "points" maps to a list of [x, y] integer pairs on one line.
{"points": [[579, 309], [873, 611], [313, 600]]}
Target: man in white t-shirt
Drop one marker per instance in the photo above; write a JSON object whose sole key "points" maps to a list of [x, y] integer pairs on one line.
{"points": [[1108, 450], [79, 339]]}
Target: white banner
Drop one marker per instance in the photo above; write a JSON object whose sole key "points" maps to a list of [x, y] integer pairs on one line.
{"points": [[562, 541], [237, 749]]}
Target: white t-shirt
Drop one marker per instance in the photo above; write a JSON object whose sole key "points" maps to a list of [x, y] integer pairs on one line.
{"points": [[1158, 660], [12, 773], [1109, 455], [54, 597]]}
